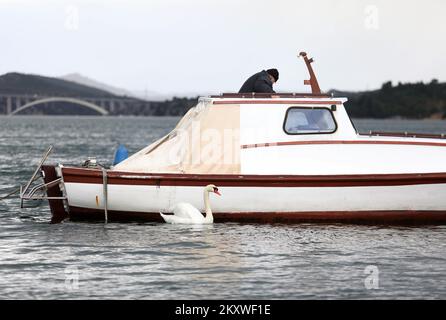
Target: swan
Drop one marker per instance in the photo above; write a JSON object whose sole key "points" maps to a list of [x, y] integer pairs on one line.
{"points": [[185, 213]]}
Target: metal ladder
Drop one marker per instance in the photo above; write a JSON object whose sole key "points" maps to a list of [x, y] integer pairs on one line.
{"points": [[28, 193]]}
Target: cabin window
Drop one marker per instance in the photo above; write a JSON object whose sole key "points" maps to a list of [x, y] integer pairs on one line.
{"points": [[309, 121]]}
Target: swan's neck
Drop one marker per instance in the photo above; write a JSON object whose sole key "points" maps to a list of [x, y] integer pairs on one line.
{"points": [[209, 217]]}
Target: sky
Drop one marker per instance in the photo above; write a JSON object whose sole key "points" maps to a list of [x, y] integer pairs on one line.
{"points": [[206, 46]]}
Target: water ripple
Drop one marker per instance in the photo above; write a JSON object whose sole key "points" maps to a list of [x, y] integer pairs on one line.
{"points": [[220, 261]]}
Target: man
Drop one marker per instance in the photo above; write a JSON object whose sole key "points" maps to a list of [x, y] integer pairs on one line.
{"points": [[261, 82]]}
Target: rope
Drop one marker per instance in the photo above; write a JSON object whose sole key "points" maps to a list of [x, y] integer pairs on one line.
{"points": [[105, 190], [10, 194]]}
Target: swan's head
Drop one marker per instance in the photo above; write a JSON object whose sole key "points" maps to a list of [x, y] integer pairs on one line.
{"points": [[212, 188]]}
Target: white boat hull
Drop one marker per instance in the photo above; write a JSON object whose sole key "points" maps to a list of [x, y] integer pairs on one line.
{"points": [[386, 198], [261, 199]]}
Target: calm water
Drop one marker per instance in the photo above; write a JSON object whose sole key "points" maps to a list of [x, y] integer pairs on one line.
{"points": [[221, 261]]}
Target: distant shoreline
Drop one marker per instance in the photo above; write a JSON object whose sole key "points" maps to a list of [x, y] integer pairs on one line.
{"points": [[405, 101]]}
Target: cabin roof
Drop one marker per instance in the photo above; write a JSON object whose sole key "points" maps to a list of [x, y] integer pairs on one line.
{"points": [[254, 95], [273, 98]]}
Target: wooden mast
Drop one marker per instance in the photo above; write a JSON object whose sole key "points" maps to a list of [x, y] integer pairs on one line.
{"points": [[313, 80]]}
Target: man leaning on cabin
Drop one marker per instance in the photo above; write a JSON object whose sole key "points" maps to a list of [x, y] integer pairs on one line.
{"points": [[261, 82]]}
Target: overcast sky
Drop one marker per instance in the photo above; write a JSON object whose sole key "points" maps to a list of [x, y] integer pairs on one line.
{"points": [[206, 46]]}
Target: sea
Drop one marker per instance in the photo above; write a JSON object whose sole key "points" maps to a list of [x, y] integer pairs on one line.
{"points": [[85, 260]]}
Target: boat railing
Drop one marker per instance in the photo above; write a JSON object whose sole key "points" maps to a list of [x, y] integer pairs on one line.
{"points": [[38, 192], [404, 135], [256, 95]]}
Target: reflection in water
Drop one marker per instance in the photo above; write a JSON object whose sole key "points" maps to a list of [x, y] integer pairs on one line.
{"points": [[162, 261]]}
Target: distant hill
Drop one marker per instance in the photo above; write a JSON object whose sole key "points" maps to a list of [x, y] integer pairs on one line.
{"points": [[408, 100], [19, 83]]}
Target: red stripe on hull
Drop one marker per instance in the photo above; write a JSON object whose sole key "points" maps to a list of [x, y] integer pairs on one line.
{"points": [[91, 176], [350, 217]]}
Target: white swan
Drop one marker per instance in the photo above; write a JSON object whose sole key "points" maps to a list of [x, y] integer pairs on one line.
{"points": [[186, 213]]}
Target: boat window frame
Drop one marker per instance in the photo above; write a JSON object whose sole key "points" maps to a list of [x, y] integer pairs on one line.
{"points": [[308, 133]]}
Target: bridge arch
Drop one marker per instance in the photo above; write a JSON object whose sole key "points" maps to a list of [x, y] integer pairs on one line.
{"points": [[84, 103]]}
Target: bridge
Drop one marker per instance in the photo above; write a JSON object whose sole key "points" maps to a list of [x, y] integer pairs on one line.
{"points": [[15, 104]]}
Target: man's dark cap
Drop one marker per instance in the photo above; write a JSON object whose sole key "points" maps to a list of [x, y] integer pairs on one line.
{"points": [[274, 73]]}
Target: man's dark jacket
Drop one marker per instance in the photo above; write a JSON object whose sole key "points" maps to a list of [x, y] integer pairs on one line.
{"points": [[260, 82]]}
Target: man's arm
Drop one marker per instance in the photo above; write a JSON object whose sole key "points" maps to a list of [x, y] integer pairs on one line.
{"points": [[263, 86]]}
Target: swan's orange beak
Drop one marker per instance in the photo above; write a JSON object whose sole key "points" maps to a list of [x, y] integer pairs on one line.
{"points": [[216, 191]]}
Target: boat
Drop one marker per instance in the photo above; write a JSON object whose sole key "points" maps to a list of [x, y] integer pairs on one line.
{"points": [[276, 158]]}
